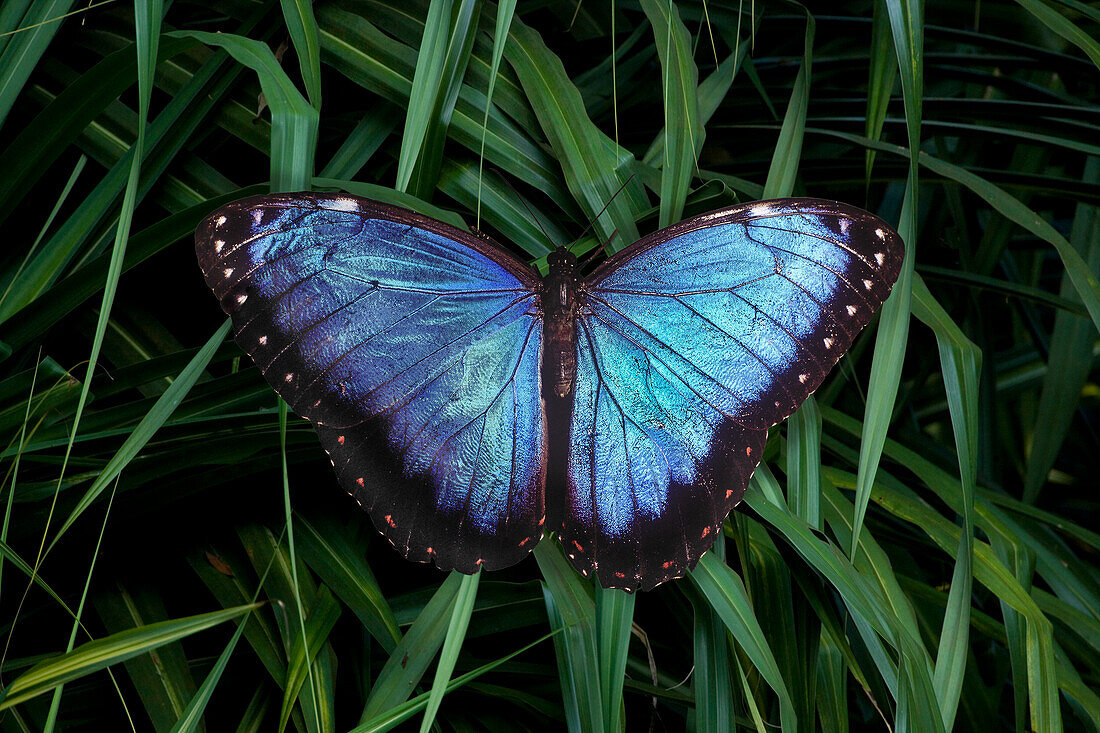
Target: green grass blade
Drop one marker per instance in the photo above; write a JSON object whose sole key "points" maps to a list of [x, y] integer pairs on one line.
{"points": [[683, 131], [55, 703], [329, 552], [880, 82], [148, 427], [324, 612], [307, 44], [591, 162], [24, 49], [361, 144], [293, 120], [403, 712], [440, 66], [409, 660], [506, 10], [1064, 27], [890, 342], [961, 363], [614, 618], [713, 682], [804, 462], [785, 158], [725, 593], [101, 653], [572, 611], [456, 633], [1084, 282], [1070, 354]]}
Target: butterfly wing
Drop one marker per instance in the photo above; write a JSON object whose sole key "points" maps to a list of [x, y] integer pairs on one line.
{"points": [[413, 348], [692, 343]]}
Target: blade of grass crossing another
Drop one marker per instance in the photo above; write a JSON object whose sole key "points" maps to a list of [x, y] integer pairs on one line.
{"points": [[101, 653], [440, 66], [11, 19], [960, 361], [750, 698], [166, 404], [591, 162], [726, 594], [55, 703], [1010, 588], [456, 633], [906, 26], [293, 120], [61, 199], [147, 26], [397, 715], [416, 650], [1084, 281], [22, 50], [302, 638], [191, 718], [329, 552], [324, 612]]}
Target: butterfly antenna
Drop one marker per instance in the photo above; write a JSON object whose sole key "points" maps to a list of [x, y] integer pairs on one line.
{"points": [[531, 212], [597, 217], [602, 248]]}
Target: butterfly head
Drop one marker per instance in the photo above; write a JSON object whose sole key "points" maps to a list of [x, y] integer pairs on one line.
{"points": [[561, 262]]}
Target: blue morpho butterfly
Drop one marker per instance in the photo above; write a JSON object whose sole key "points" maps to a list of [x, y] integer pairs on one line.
{"points": [[469, 405]]}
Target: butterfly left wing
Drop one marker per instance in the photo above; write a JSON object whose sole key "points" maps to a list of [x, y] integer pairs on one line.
{"points": [[692, 343], [413, 348]]}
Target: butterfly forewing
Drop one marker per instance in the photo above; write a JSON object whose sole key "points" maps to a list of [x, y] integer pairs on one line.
{"points": [[413, 347], [693, 342]]}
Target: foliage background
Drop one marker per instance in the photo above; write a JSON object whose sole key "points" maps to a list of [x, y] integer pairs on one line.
{"points": [[918, 550]]}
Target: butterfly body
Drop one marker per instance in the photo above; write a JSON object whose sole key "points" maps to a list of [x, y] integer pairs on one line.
{"points": [[562, 300], [470, 406]]}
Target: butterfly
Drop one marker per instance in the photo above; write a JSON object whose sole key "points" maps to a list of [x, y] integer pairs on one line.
{"points": [[470, 405]]}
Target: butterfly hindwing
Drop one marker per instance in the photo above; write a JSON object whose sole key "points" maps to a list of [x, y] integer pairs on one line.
{"points": [[413, 347], [692, 343]]}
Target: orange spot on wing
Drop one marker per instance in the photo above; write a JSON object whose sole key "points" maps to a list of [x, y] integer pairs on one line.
{"points": [[389, 520], [578, 546], [706, 531], [340, 440], [521, 544], [431, 551], [619, 575], [360, 481], [729, 493], [748, 450], [667, 564]]}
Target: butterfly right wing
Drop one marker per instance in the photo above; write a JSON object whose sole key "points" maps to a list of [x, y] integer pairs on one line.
{"points": [[412, 347], [692, 343]]}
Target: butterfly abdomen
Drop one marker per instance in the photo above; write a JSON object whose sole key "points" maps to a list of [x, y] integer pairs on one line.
{"points": [[561, 302]]}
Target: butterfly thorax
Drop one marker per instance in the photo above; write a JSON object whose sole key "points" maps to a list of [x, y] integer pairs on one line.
{"points": [[561, 303]]}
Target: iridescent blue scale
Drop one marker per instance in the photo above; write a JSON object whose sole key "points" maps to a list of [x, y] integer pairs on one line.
{"points": [[469, 405]]}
